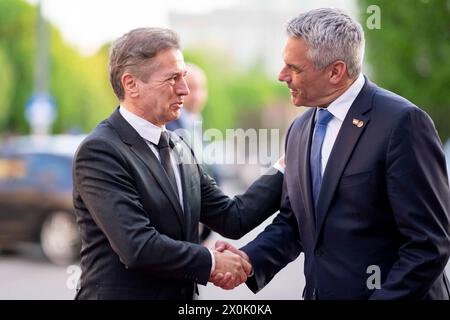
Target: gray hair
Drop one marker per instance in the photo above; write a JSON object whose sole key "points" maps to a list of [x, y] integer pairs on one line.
{"points": [[134, 51], [331, 35]]}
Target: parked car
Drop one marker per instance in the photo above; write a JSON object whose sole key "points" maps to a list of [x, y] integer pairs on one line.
{"points": [[36, 195]]}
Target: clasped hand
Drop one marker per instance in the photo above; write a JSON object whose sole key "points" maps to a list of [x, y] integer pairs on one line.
{"points": [[232, 266]]}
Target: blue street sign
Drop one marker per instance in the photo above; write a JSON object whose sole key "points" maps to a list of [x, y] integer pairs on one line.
{"points": [[40, 112]]}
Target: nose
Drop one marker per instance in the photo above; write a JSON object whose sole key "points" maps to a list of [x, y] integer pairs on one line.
{"points": [[284, 76], [182, 88]]}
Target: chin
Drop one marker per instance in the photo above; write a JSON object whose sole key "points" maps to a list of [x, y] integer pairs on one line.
{"points": [[176, 114], [297, 102], [302, 103]]}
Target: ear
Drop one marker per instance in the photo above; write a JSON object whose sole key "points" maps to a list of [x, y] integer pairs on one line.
{"points": [[338, 69], [130, 85]]}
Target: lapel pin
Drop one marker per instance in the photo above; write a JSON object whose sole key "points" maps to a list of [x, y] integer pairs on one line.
{"points": [[358, 123]]}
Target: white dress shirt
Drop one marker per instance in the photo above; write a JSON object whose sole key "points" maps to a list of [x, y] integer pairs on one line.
{"points": [[339, 109]]}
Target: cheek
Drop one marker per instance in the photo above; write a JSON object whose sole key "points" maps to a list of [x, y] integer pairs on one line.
{"points": [[298, 82], [164, 96]]}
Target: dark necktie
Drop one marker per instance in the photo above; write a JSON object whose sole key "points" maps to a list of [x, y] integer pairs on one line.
{"points": [[164, 155], [324, 116]]}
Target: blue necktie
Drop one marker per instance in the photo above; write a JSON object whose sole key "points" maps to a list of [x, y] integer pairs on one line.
{"points": [[324, 116]]}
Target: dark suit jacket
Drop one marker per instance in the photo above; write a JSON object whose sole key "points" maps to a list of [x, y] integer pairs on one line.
{"points": [[384, 202], [137, 241]]}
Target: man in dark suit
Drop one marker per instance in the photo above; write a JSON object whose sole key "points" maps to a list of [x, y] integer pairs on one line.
{"points": [[139, 193], [365, 196]]}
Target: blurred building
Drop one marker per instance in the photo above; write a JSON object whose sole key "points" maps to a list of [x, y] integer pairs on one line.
{"points": [[252, 31]]}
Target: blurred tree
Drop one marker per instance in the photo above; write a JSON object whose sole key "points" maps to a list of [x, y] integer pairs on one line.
{"points": [[6, 76], [410, 53], [79, 84], [235, 96], [81, 87], [17, 23]]}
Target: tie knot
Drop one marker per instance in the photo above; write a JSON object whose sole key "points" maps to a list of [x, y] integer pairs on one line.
{"points": [[324, 117], [163, 140]]}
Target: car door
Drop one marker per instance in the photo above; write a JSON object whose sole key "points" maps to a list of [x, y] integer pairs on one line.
{"points": [[13, 172]]}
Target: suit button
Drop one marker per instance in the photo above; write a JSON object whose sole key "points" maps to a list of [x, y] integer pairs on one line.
{"points": [[183, 291], [318, 252]]}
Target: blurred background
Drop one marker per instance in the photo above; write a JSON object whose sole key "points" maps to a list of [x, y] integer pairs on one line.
{"points": [[54, 89]]}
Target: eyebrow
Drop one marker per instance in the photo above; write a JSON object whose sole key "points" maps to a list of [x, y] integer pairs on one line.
{"points": [[171, 74], [293, 66]]}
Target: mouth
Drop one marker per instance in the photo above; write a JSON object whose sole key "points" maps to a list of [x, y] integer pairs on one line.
{"points": [[177, 105]]}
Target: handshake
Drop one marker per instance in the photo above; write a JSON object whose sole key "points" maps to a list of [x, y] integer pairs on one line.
{"points": [[232, 266]]}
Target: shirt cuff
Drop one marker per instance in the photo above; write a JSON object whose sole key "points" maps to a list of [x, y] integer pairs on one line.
{"points": [[279, 167], [213, 261]]}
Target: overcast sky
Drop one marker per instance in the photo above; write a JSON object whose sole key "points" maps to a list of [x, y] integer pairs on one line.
{"points": [[87, 24]]}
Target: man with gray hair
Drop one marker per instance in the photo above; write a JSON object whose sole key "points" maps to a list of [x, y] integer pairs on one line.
{"points": [[139, 194], [365, 195]]}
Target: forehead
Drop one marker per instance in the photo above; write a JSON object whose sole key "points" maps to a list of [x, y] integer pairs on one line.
{"points": [[295, 50], [170, 60]]}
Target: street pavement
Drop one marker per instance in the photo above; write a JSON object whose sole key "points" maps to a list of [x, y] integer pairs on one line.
{"points": [[28, 276]]}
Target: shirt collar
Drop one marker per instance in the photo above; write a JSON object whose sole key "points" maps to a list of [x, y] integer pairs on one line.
{"points": [[144, 128], [339, 107]]}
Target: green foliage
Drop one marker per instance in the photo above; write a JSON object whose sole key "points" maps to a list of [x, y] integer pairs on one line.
{"points": [[17, 21], [236, 95], [79, 84], [6, 78], [81, 87], [410, 54]]}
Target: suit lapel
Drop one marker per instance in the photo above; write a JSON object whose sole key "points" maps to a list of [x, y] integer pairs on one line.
{"points": [[140, 148], [344, 145], [184, 159]]}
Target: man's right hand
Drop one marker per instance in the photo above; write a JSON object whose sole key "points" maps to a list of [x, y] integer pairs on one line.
{"points": [[226, 280], [231, 269]]}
